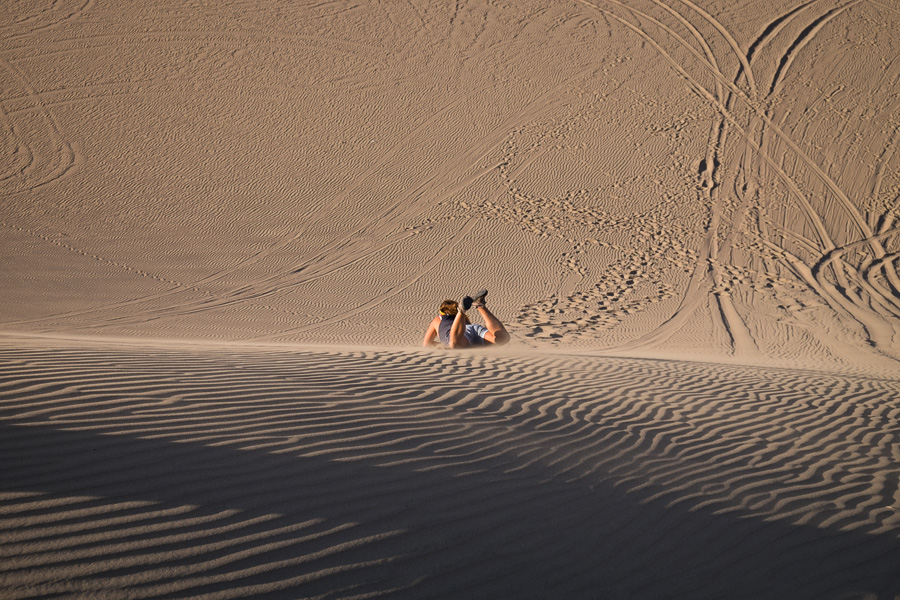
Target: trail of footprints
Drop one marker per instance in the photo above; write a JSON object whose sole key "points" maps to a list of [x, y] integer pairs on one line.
{"points": [[605, 294], [618, 264], [620, 292]]}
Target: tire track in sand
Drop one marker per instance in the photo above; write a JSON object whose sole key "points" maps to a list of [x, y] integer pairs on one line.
{"points": [[850, 307], [706, 274], [826, 251], [379, 233], [36, 170]]}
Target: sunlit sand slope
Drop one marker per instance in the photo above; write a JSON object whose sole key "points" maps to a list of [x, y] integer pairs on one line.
{"points": [[177, 472], [716, 177]]}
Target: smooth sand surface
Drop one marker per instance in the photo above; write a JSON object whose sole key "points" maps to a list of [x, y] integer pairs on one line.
{"points": [[225, 226]]}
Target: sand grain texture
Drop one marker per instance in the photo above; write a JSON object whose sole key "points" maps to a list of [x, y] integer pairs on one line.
{"points": [[224, 227]]}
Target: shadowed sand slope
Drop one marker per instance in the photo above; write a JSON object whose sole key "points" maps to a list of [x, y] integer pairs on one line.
{"points": [[176, 472], [716, 178]]}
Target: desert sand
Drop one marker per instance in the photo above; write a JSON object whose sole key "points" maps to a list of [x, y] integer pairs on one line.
{"points": [[226, 225]]}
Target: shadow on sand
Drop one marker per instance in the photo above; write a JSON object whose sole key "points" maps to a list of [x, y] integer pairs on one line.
{"points": [[307, 526]]}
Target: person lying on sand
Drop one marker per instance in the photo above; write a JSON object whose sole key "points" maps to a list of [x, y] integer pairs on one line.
{"points": [[453, 329]]}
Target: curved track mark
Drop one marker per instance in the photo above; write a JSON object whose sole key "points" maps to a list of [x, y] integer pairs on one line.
{"points": [[433, 262], [805, 37], [67, 157]]}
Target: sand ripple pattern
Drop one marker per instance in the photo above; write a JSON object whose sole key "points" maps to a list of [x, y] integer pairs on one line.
{"points": [[176, 472]]}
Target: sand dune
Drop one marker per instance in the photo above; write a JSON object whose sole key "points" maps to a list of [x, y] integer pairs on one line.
{"points": [[225, 226], [177, 472], [634, 177]]}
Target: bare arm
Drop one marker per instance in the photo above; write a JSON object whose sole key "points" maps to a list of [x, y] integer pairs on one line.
{"points": [[431, 333]]}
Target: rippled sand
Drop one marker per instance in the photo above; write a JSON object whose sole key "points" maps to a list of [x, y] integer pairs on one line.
{"points": [[225, 226]]}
